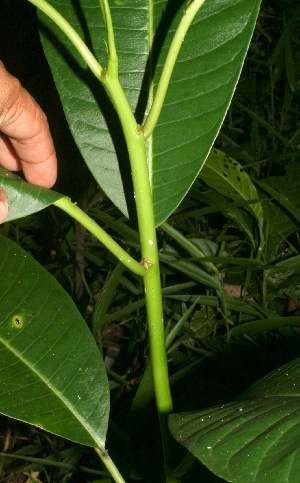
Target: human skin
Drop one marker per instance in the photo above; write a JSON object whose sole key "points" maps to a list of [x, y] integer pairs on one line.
{"points": [[25, 140]]}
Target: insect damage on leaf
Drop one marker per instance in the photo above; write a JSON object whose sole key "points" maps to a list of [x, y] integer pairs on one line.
{"points": [[17, 321]]}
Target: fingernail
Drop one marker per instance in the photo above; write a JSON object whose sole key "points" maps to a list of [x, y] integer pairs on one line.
{"points": [[3, 210]]}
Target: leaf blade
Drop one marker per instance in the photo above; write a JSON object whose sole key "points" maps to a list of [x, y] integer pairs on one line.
{"points": [[208, 65], [253, 439], [199, 94], [49, 377], [24, 198]]}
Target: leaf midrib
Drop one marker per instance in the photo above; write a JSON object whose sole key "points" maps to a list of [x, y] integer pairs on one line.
{"points": [[58, 394]]}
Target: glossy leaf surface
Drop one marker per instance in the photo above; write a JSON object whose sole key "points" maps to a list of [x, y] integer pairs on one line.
{"points": [[252, 440], [24, 198], [51, 372], [199, 94]]}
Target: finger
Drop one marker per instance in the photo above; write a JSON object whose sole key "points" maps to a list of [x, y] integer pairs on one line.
{"points": [[26, 126], [8, 156], [3, 205]]}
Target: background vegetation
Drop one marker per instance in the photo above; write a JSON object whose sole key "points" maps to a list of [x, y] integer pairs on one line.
{"points": [[262, 132]]}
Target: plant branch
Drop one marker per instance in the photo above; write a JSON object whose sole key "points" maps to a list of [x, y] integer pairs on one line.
{"points": [[188, 16], [149, 267], [135, 141], [73, 210], [144, 205], [73, 36]]}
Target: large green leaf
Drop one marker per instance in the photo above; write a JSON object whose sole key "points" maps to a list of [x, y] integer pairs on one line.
{"points": [[199, 94], [253, 440], [24, 198], [51, 372]]}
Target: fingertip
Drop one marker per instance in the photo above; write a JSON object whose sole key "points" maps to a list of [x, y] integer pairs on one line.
{"points": [[3, 205], [42, 174]]}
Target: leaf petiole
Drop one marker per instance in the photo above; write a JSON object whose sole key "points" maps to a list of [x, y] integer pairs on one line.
{"points": [[73, 36], [73, 210], [188, 16]]}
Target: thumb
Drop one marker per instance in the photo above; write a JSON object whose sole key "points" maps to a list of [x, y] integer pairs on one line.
{"points": [[3, 205]]}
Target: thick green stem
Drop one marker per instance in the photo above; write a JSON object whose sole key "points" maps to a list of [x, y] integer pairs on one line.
{"points": [[135, 141], [143, 197], [66, 205]]}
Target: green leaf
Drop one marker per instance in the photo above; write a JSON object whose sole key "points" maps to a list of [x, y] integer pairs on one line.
{"points": [[258, 326], [191, 270], [51, 372], [279, 226], [232, 303], [243, 221], [291, 264], [199, 94], [226, 176], [24, 198], [281, 210], [252, 440], [282, 199]]}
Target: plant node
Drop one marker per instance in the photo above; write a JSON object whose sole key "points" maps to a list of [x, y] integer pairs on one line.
{"points": [[146, 263]]}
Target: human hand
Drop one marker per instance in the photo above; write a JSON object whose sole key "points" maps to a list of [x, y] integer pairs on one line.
{"points": [[25, 139]]}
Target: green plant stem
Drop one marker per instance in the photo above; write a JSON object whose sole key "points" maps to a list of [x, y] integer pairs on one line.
{"points": [[188, 16], [109, 464], [69, 31], [56, 464], [135, 141], [184, 465], [264, 289], [73, 210], [143, 198]]}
